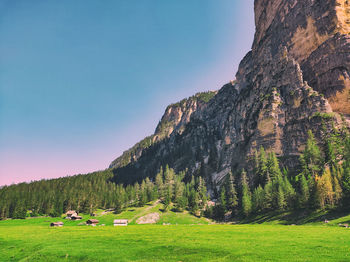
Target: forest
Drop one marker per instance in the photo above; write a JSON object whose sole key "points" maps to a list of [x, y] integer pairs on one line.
{"points": [[322, 182]]}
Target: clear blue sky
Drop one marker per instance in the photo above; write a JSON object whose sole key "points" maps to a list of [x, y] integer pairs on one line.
{"points": [[81, 81]]}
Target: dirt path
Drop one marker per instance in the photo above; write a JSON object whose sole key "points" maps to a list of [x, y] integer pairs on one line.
{"points": [[151, 218], [144, 211]]}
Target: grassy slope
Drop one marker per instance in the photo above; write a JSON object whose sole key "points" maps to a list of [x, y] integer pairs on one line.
{"points": [[132, 214]]}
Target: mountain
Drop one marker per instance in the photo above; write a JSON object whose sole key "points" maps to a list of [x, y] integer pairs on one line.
{"points": [[290, 99], [295, 78]]}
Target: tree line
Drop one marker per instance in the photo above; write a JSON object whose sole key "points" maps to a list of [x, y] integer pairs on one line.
{"points": [[323, 182], [86, 193]]}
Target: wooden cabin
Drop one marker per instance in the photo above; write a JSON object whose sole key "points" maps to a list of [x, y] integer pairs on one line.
{"points": [[76, 217], [71, 213], [92, 222], [56, 224], [120, 222]]}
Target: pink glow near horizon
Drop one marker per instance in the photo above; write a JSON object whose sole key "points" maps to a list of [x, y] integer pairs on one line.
{"points": [[28, 169]]}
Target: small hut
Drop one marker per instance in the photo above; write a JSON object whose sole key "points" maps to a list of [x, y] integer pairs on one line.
{"points": [[76, 218], [56, 224], [120, 222], [71, 213], [92, 222]]}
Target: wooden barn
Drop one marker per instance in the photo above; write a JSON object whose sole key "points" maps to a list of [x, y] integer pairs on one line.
{"points": [[92, 222], [71, 213], [76, 217], [120, 222], [56, 224]]}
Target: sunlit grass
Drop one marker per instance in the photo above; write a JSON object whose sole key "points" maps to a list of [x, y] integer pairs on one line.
{"points": [[175, 243]]}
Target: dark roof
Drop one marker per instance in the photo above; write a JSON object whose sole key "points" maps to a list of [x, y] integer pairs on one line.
{"points": [[56, 223], [77, 217], [93, 221]]}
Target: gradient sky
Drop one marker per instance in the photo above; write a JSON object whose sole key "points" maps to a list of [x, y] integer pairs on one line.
{"points": [[81, 81]]}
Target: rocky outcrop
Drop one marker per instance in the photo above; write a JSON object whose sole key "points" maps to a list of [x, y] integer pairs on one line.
{"points": [[295, 79], [316, 34], [175, 118]]}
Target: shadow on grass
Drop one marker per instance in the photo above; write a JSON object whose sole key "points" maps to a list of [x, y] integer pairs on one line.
{"points": [[300, 217]]}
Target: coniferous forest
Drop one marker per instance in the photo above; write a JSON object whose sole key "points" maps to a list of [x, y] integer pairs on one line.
{"points": [[322, 182]]}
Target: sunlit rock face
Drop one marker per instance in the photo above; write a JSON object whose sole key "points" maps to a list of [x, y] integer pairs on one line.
{"points": [[296, 72], [316, 34]]}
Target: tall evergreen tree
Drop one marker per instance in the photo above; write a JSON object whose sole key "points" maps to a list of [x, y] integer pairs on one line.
{"points": [[273, 167], [258, 199], [304, 192], [231, 194], [311, 159], [246, 195]]}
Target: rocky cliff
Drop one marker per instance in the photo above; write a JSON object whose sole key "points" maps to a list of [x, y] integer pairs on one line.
{"points": [[295, 78], [174, 120]]}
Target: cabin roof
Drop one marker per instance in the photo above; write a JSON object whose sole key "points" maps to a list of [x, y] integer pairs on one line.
{"points": [[93, 221], [57, 223]]}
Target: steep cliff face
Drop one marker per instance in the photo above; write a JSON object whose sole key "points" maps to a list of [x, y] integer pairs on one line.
{"points": [[316, 34], [293, 80], [175, 118]]}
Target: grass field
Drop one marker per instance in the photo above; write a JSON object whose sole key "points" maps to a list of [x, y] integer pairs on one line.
{"points": [[188, 238]]}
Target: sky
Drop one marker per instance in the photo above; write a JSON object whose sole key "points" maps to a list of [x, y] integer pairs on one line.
{"points": [[82, 81]]}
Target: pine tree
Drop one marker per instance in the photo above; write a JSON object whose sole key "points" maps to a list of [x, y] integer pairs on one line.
{"points": [[257, 179], [289, 191], [166, 201], [330, 155], [149, 190], [304, 192], [118, 205], [311, 159], [202, 192], [222, 200], [19, 210], [324, 189], [231, 194], [338, 192], [137, 194], [345, 182], [268, 194], [193, 201], [246, 196], [273, 167], [281, 201], [263, 171], [181, 203], [160, 183], [220, 208], [168, 175], [178, 190], [258, 199]]}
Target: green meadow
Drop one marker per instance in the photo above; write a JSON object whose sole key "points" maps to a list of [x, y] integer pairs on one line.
{"points": [[175, 237], [175, 243]]}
